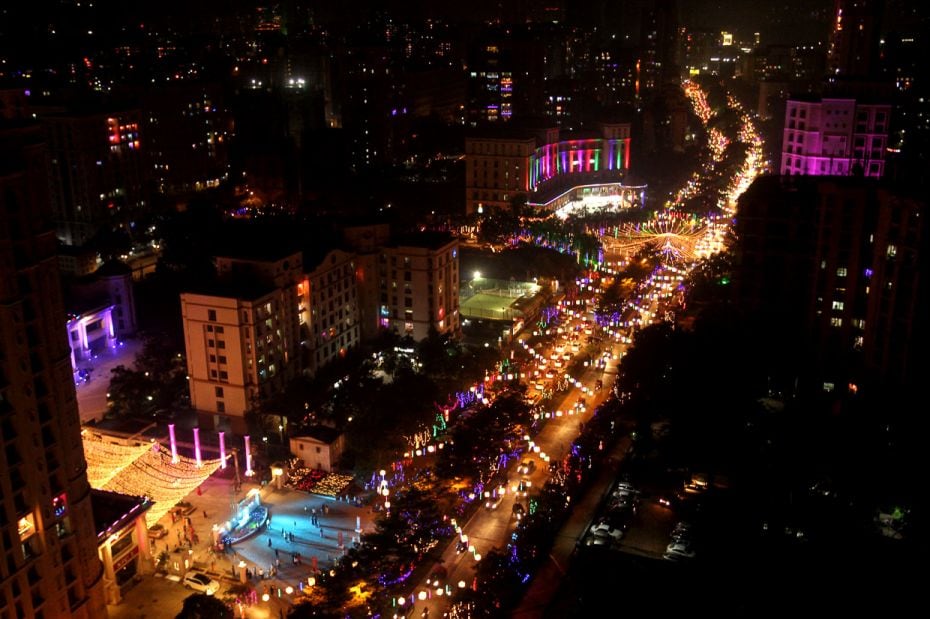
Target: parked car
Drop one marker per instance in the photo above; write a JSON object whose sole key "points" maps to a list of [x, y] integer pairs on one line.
{"points": [[198, 581], [157, 531], [597, 539], [679, 550], [183, 509], [602, 527]]}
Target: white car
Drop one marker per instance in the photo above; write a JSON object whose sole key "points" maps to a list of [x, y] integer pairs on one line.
{"points": [[602, 528], [198, 581], [677, 550]]}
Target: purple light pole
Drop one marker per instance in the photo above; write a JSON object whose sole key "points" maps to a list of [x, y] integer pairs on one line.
{"points": [[248, 457], [222, 450], [197, 447], [174, 444]]}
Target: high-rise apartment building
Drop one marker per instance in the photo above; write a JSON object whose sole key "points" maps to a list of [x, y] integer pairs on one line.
{"points": [[242, 335], [835, 137], [329, 297], [831, 268], [419, 280], [854, 49], [263, 321], [49, 565], [99, 175], [865, 290]]}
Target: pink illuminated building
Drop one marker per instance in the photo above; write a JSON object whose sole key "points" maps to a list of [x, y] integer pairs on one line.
{"points": [[835, 137]]}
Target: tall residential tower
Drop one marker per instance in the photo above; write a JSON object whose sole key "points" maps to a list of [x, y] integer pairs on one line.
{"points": [[49, 566]]}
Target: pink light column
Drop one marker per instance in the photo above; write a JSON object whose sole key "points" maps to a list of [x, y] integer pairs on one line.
{"points": [[222, 450], [248, 457], [174, 444], [197, 447]]}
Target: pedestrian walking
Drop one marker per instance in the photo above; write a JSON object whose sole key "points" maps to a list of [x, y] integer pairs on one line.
{"points": [[276, 552], [269, 542], [321, 532], [205, 514]]}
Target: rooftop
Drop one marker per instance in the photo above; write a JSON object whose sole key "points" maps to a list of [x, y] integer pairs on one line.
{"points": [[113, 511]]}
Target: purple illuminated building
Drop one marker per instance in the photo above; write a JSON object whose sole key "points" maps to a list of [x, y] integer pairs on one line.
{"points": [[835, 137]]}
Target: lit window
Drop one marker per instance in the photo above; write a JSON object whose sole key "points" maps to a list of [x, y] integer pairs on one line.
{"points": [[838, 305], [841, 272], [836, 322], [892, 251]]}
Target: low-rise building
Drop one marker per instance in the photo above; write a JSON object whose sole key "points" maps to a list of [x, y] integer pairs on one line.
{"points": [[319, 448]]}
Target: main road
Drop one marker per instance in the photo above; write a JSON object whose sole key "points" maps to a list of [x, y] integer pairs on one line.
{"points": [[488, 529]]}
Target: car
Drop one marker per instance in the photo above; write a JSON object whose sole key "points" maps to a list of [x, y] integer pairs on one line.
{"points": [[518, 511], [183, 509], [493, 499], [602, 527], [157, 531], [678, 550], [526, 467], [437, 577], [597, 539], [625, 486], [198, 581], [522, 488]]}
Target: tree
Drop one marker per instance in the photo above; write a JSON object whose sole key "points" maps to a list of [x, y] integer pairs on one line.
{"points": [[203, 606], [157, 381]]}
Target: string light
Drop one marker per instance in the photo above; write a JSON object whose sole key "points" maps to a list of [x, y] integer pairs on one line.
{"points": [[145, 470], [106, 460]]}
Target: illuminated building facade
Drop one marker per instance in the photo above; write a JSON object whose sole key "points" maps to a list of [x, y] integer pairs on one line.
{"points": [[49, 565], [99, 173], [101, 310], [261, 324], [329, 299], [499, 168], [241, 336], [419, 282], [490, 85], [835, 137]]}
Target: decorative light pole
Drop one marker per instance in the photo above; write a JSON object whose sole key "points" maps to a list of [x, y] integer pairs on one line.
{"points": [[222, 450], [174, 444], [197, 447], [248, 457]]}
